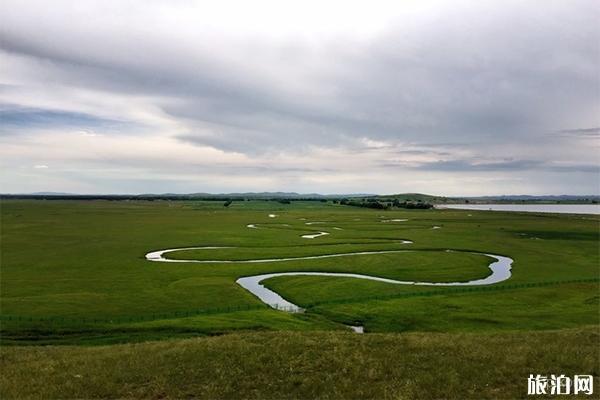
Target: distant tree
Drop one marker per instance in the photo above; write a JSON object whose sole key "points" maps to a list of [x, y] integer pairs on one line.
{"points": [[413, 205], [366, 204]]}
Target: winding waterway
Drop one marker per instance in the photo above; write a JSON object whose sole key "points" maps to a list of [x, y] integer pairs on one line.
{"points": [[500, 269]]}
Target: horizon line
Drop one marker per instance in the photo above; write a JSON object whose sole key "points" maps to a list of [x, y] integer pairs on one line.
{"points": [[357, 194]]}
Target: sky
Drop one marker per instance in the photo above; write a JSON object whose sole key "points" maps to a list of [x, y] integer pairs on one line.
{"points": [[441, 97]]}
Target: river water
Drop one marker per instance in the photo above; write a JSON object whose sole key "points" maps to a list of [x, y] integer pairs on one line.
{"points": [[542, 208]]}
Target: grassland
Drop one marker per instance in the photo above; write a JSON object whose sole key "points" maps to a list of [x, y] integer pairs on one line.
{"points": [[85, 260], [74, 272], [282, 365]]}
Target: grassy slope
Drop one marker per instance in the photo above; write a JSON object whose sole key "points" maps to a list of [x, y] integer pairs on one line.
{"points": [[85, 259], [302, 365]]}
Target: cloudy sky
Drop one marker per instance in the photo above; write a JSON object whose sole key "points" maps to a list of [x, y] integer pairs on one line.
{"points": [[453, 98]]}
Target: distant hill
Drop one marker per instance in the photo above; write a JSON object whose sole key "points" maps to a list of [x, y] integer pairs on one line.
{"points": [[426, 198]]}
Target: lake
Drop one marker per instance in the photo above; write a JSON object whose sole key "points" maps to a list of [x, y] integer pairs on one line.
{"points": [[544, 208]]}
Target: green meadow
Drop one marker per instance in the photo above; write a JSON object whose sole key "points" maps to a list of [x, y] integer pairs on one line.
{"points": [[74, 275]]}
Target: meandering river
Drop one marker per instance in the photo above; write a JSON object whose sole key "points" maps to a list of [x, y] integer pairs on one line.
{"points": [[500, 269]]}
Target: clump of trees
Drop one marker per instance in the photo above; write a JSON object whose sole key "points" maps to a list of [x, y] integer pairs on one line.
{"points": [[418, 205], [380, 205], [369, 203]]}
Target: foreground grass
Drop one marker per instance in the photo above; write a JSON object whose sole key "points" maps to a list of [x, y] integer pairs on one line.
{"points": [[302, 365]]}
